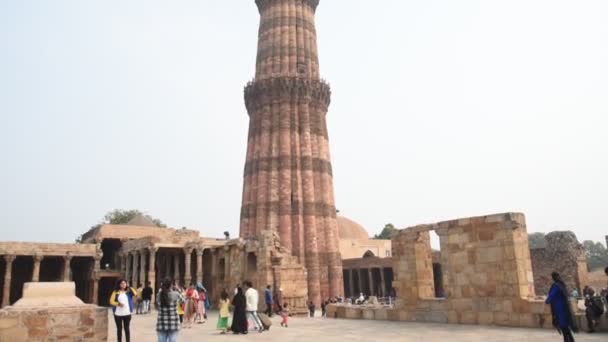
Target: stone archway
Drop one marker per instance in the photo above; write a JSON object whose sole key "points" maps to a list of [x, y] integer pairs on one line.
{"points": [[369, 254]]}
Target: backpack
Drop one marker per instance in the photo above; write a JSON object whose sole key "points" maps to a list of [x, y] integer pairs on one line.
{"points": [[597, 304]]}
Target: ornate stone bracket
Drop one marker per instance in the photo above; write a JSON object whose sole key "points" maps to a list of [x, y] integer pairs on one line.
{"points": [[262, 92]]}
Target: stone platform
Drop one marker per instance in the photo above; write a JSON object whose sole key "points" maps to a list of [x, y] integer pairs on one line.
{"points": [[51, 312], [338, 330]]}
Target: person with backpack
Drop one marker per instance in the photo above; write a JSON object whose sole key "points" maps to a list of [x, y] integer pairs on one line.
{"points": [[594, 308]]}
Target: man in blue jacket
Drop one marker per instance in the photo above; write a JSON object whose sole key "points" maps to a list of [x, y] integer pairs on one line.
{"points": [[268, 297]]}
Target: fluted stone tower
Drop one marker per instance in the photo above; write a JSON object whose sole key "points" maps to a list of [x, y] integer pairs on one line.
{"points": [[288, 183]]}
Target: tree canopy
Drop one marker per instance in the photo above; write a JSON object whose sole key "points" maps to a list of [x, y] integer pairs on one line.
{"points": [[537, 240], [120, 216], [597, 255], [386, 232]]}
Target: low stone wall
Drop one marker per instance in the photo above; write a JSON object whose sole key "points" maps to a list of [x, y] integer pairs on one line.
{"points": [[538, 315], [76, 323], [486, 273], [51, 312]]}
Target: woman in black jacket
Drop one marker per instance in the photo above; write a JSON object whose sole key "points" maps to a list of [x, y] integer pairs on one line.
{"points": [[239, 319]]}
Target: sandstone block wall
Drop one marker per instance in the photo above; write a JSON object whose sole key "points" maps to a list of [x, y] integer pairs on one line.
{"points": [[564, 254], [486, 274], [85, 323]]}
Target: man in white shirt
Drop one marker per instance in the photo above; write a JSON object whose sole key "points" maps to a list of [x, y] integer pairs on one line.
{"points": [[251, 295]]}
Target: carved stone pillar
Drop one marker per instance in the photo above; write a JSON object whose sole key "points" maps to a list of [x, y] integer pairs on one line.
{"points": [[351, 283], [167, 265], [382, 283], [142, 267], [152, 271], [128, 266], [361, 289], [187, 265], [6, 291], [372, 290], [227, 267], [95, 279], [199, 265], [67, 260], [135, 269], [36, 272], [176, 275]]}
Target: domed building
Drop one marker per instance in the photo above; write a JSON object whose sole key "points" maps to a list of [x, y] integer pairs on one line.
{"points": [[356, 243], [366, 262]]}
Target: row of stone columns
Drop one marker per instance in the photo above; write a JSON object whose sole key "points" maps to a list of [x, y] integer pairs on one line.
{"points": [[136, 260], [134, 266], [9, 259], [366, 272]]}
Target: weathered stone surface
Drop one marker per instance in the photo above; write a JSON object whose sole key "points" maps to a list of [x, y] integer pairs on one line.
{"points": [[38, 319], [564, 254], [487, 274]]}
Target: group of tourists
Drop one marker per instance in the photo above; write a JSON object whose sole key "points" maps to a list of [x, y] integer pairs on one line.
{"points": [[561, 310], [181, 308]]}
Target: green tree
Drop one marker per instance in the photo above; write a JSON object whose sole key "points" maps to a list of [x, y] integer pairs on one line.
{"points": [[536, 240], [119, 216], [597, 255], [386, 232]]}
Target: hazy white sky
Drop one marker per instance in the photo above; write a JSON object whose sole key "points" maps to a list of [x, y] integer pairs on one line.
{"points": [[440, 110]]}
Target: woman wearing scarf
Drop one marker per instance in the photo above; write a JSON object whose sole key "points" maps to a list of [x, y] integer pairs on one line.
{"points": [[201, 312], [563, 319], [239, 319]]}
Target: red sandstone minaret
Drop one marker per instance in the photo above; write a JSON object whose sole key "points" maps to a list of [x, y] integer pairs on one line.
{"points": [[288, 183]]}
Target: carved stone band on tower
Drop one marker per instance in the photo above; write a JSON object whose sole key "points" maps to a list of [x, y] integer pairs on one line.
{"points": [[288, 179]]}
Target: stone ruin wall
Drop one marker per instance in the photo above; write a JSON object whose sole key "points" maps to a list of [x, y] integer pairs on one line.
{"points": [[487, 275], [564, 254]]}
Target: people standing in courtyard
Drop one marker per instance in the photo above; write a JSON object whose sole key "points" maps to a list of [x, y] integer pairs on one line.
{"points": [[323, 306], [252, 298], [201, 312], [574, 294], [268, 299], [239, 317], [594, 308], [284, 314], [311, 309], [167, 323], [190, 307], [122, 305], [139, 305], [224, 314], [181, 303], [563, 319], [146, 295]]}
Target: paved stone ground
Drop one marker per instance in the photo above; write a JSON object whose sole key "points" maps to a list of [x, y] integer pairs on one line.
{"points": [[327, 329]]}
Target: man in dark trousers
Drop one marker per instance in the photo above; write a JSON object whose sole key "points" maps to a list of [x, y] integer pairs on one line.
{"points": [[146, 296], [268, 298]]}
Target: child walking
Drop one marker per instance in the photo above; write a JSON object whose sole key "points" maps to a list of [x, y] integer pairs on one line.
{"points": [[222, 322], [284, 314]]}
